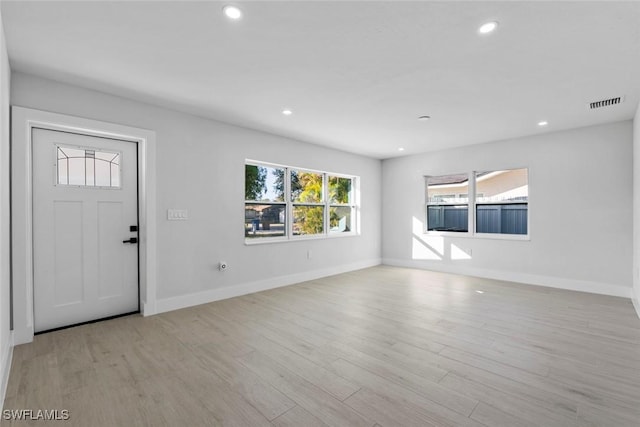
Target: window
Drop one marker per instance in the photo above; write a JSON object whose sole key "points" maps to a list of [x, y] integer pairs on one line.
{"points": [[285, 203], [264, 208], [497, 201], [445, 211], [341, 204], [502, 207], [87, 168], [307, 195]]}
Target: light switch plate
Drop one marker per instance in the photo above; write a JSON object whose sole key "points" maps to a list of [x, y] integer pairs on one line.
{"points": [[177, 215]]}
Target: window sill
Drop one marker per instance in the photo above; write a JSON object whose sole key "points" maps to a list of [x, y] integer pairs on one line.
{"points": [[495, 236], [448, 233], [266, 240], [491, 236]]}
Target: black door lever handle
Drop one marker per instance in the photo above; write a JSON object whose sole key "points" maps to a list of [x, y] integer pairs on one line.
{"points": [[131, 240]]}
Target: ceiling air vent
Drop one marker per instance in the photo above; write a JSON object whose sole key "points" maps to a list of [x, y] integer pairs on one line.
{"points": [[606, 102]]}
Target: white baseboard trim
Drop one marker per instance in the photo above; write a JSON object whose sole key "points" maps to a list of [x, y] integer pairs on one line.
{"points": [[183, 301], [23, 336], [147, 309], [635, 299], [513, 276], [7, 357]]}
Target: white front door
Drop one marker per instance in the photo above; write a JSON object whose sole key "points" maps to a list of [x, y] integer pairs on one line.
{"points": [[85, 214]]}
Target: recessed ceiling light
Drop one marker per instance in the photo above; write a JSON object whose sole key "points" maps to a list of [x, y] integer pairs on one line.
{"points": [[543, 123], [488, 27], [287, 112], [232, 12], [424, 117], [401, 149]]}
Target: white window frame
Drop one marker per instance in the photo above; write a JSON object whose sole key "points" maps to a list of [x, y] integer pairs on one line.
{"points": [[323, 203], [353, 205], [472, 203], [287, 184], [289, 205], [454, 200]]}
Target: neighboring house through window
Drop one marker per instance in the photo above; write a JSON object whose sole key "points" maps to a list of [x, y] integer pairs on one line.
{"points": [[445, 211], [496, 202]]}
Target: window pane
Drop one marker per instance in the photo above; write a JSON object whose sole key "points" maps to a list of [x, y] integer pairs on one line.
{"points": [[63, 174], [263, 183], [306, 187], [502, 186], [448, 218], [108, 157], [447, 189], [76, 167], [115, 175], [509, 218], [103, 173], [88, 168], [76, 171], [72, 152], [89, 163], [264, 220], [308, 220], [447, 198], [340, 219], [339, 190], [502, 201]]}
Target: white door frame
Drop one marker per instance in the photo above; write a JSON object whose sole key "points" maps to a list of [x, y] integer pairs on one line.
{"points": [[23, 120]]}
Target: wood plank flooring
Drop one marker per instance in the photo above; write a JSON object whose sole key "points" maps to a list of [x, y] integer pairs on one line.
{"points": [[382, 346]]}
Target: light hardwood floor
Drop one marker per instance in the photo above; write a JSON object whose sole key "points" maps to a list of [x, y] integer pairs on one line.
{"points": [[378, 347]]}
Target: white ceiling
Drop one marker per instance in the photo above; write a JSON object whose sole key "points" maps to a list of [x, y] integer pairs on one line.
{"points": [[356, 74]]}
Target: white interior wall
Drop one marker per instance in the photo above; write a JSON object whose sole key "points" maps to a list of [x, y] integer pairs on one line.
{"points": [[200, 167], [636, 211], [580, 211], [5, 333], [580, 203]]}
